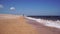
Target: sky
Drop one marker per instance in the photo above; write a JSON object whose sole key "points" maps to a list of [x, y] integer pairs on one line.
{"points": [[30, 7]]}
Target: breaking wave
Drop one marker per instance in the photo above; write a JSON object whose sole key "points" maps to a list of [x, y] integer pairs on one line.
{"points": [[49, 23]]}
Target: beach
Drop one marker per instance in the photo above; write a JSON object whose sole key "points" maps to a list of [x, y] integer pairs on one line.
{"points": [[16, 24]]}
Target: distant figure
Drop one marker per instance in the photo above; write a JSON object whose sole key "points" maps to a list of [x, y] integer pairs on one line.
{"points": [[23, 14]]}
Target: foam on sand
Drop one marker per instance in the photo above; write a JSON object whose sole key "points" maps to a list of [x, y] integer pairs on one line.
{"points": [[49, 23]]}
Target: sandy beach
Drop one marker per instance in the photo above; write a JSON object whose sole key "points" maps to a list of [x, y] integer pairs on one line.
{"points": [[15, 24]]}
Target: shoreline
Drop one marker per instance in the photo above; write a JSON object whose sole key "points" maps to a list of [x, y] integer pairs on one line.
{"points": [[42, 29], [23, 25]]}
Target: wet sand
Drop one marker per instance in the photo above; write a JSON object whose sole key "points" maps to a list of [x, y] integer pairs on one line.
{"points": [[42, 29], [12, 24]]}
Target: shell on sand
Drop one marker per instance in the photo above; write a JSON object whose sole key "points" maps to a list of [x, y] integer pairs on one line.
{"points": [[12, 24]]}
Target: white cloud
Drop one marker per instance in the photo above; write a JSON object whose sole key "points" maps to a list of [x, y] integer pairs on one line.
{"points": [[1, 6], [12, 8]]}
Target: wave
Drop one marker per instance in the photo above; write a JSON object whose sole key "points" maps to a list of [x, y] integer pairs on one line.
{"points": [[49, 23]]}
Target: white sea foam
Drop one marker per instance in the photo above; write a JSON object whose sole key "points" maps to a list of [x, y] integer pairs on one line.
{"points": [[49, 23]]}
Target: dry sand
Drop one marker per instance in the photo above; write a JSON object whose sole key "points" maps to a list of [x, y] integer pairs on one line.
{"points": [[14, 24]]}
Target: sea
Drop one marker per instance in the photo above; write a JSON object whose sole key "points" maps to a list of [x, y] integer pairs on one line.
{"points": [[47, 17], [50, 21]]}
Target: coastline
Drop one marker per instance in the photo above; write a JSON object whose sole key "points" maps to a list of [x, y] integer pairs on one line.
{"points": [[16, 24]]}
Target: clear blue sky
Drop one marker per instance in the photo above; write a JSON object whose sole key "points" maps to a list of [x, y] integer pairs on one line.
{"points": [[31, 7]]}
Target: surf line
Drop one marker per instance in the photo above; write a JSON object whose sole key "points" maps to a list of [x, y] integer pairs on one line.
{"points": [[46, 22]]}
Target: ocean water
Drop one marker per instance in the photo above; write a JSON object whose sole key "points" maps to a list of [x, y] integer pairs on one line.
{"points": [[47, 22], [47, 17]]}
